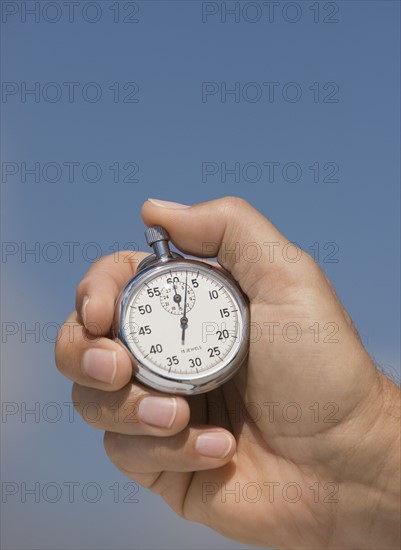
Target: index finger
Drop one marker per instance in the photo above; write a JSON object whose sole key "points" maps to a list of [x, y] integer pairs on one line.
{"points": [[98, 291]]}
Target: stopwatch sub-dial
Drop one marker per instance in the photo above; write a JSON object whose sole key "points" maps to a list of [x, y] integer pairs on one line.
{"points": [[172, 298]]}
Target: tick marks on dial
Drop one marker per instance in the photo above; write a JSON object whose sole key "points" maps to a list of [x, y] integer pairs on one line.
{"points": [[170, 297]]}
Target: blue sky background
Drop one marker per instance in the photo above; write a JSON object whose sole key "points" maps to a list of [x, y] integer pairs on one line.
{"points": [[168, 134]]}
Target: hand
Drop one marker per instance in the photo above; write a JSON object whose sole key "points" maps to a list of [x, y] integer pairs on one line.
{"points": [[300, 448]]}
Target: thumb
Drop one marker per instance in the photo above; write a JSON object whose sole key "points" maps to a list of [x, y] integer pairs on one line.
{"points": [[245, 243]]}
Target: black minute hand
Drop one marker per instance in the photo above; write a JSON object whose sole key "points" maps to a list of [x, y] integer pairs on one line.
{"points": [[184, 320]]}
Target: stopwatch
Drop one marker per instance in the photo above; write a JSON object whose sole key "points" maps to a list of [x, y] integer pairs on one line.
{"points": [[184, 322]]}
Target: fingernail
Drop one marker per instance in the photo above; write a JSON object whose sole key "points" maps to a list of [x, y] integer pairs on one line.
{"points": [[83, 312], [100, 364], [167, 204], [214, 445], [158, 411]]}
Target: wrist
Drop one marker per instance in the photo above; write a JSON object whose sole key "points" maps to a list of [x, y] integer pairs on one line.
{"points": [[387, 515], [370, 503]]}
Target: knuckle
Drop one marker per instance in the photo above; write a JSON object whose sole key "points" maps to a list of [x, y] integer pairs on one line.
{"points": [[112, 443], [159, 455], [90, 410], [75, 396], [109, 444], [80, 290], [107, 418], [234, 204], [312, 268], [83, 287], [58, 353], [62, 341], [80, 400]]}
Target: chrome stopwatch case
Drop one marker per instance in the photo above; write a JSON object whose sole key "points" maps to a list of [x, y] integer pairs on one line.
{"points": [[184, 322]]}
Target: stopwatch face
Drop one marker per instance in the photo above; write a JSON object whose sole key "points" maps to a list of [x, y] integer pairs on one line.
{"points": [[184, 323]]}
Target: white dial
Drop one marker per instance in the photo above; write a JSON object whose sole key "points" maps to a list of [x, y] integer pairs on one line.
{"points": [[183, 322]]}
